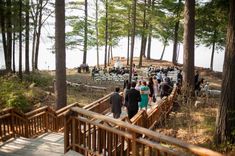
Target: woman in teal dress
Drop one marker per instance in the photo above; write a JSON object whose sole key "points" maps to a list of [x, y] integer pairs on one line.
{"points": [[144, 92]]}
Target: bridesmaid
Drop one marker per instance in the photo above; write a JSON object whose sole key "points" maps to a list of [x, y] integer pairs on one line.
{"points": [[144, 92]]}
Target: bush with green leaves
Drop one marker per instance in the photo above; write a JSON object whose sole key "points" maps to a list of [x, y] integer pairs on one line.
{"points": [[41, 80], [12, 93]]}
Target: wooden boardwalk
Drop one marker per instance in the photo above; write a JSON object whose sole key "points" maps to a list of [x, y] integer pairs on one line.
{"points": [[91, 130], [48, 144]]}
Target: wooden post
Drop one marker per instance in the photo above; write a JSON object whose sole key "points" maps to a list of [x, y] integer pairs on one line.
{"points": [[134, 145], [12, 123], [74, 131], [46, 121], [66, 132]]}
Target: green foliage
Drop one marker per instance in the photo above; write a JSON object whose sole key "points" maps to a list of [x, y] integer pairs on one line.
{"points": [[211, 23], [20, 94], [17, 100], [12, 93], [40, 79]]}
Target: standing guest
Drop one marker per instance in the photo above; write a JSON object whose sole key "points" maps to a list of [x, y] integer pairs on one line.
{"points": [[126, 90], [165, 88], [155, 88], [196, 77], [125, 84], [144, 92], [132, 98], [150, 85], [116, 103], [138, 85], [180, 77], [159, 77]]}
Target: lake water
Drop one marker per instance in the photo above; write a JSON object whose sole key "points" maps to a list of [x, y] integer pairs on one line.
{"points": [[74, 57]]}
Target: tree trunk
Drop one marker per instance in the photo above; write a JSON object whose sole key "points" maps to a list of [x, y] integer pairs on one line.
{"points": [[189, 33], [13, 53], [149, 45], [85, 35], [163, 51], [34, 36], [97, 31], [38, 34], [60, 89], [106, 33], [174, 57], [212, 55], [151, 4], [9, 36], [132, 36], [109, 51], [27, 38], [143, 38], [3, 31], [20, 39], [128, 37], [226, 113]]}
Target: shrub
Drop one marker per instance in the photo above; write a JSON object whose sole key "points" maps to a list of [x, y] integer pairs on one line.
{"points": [[19, 101], [40, 80]]}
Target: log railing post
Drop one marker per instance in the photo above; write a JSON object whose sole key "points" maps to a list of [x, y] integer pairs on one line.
{"points": [[46, 121], [12, 123], [134, 147], [27, 128], [66, 132]]}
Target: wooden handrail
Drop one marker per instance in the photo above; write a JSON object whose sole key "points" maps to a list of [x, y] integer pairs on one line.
{"points": [[158, 137], [49, 119]]}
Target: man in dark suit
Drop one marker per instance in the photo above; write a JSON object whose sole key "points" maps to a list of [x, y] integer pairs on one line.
{"points": [[132, 98], [116, 103]]}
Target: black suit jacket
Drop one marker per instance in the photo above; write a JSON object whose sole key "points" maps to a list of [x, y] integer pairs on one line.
{"points": [[132, 98]]}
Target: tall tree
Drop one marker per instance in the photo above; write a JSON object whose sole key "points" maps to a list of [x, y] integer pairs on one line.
{"points": [[143, 37], [20, 39], [38, 33], [60, 89], [150, 29], [176, 32], [97, 30], [9, 35], [27, 37], [128, 36], [35, 23], [106, 33], [225, 123], [3, 30], [85, 34], [189, 34], [211, 27], [132, 37], [13, 52]]}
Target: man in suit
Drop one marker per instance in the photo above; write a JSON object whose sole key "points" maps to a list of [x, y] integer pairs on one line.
{"points": [[132, 98], [116, 103]]}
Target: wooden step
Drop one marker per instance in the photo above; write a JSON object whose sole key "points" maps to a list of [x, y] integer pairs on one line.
{"points": [[49, 144]]}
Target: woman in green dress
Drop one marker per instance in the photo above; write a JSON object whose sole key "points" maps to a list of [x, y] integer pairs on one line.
{"points": [[144, 92]]}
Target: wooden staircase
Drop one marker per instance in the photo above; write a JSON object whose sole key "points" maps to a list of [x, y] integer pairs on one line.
{"points": [[48, 144], [88, 131]]}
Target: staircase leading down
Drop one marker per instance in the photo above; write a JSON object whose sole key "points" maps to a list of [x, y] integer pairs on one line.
{"points": [[48, 144]]}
